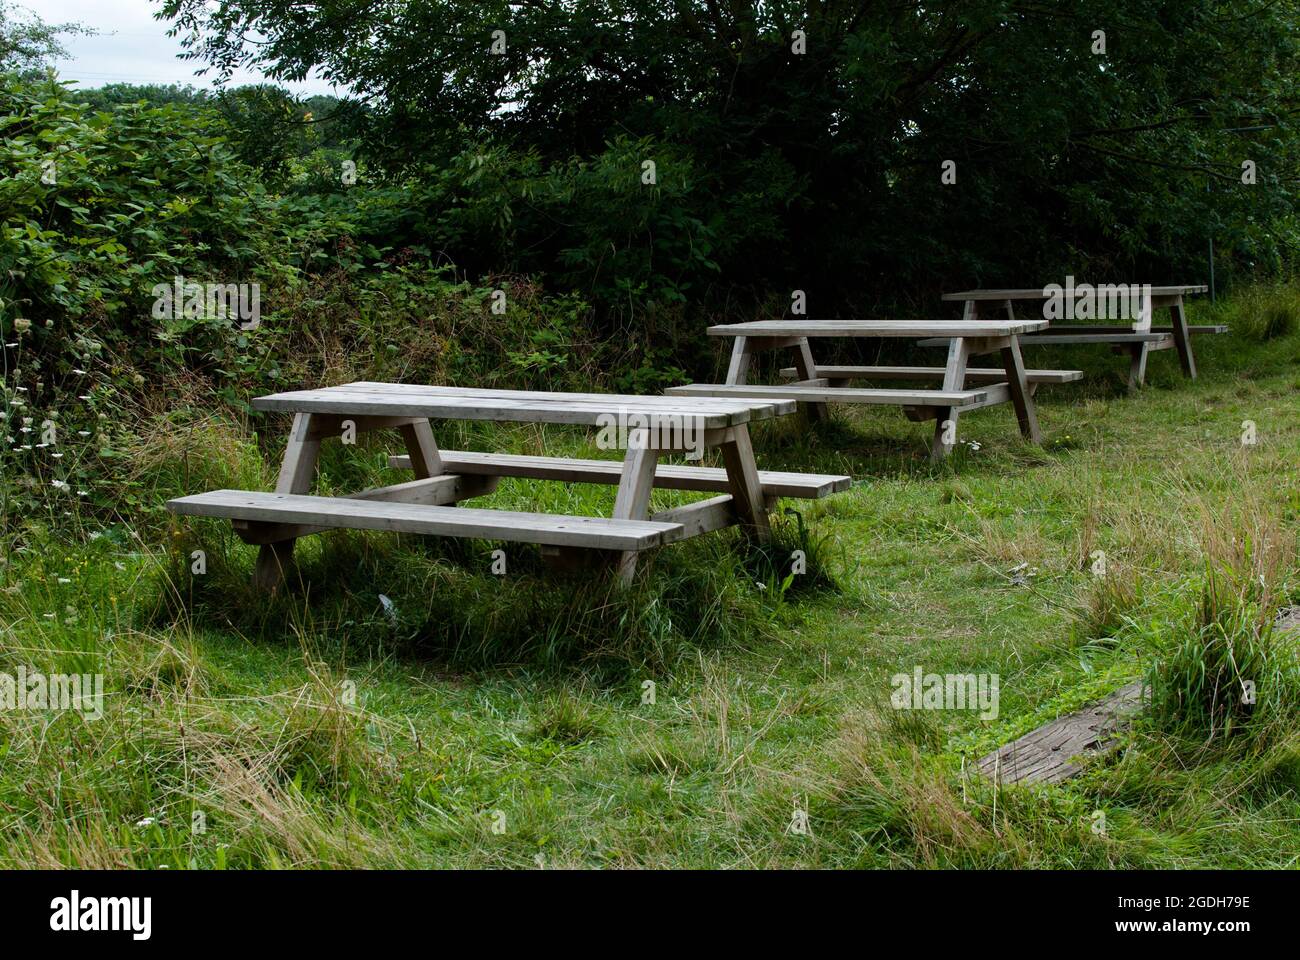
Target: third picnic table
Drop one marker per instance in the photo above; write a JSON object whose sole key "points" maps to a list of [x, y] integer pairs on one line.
{"points": [[1138, 343]]}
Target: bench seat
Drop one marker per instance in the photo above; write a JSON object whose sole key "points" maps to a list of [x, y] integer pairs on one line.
{"points": [[1158, 341], [973, 374], [828, 394], [1072, 328], [668, 476], [340, 512]]}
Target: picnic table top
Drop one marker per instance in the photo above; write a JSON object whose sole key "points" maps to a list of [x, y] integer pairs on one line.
{"points": [[876, 328], [1037, 293], [367, 398]]}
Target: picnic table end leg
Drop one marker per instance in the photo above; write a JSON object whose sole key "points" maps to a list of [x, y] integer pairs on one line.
{"points": [[297, 471], [1183, 338], [633, 499], [742, 479]]}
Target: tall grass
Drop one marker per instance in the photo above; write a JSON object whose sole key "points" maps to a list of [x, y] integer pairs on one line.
{"points": [[1263, 312], [1224, 669]]}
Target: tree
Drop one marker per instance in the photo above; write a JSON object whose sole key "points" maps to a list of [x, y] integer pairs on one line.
{"points": [[809, 138], [27, 43]]}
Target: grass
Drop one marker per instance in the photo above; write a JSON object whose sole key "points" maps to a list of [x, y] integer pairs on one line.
{"points": [[538, 719]]}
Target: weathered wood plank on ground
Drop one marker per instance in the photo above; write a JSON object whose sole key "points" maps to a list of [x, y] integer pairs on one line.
{"points": [[1049, 754]]}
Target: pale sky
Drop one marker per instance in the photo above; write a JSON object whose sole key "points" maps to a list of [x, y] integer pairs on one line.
{"points": [[132, 47]]}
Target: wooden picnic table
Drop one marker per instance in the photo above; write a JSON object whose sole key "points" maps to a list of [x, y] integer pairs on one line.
{"points": [[652, 427], [1138, 342], [817, 385]]}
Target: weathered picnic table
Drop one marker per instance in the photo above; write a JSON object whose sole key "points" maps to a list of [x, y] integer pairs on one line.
{"points": [[1138, 342], [817, 385], [650, 428]]}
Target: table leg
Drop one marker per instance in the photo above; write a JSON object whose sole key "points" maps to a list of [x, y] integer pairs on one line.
{"points": [[743, 483], [807, 370], [1137, 370], [296, 473], [954, 378], [1021, 396], [634, 487], [423, 449], [741, 360], [1182, 338]]}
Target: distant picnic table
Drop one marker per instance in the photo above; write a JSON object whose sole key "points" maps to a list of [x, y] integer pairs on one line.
{"points": [[817, 385], [656, 426], [1137, 343]]}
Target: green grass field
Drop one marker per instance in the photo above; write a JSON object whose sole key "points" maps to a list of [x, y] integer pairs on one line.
{"points": [[481, 721]]}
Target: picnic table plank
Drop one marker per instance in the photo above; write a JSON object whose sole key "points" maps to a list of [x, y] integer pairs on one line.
{"points": [[1038, 293], [513, 406], [592, 532], [876, 328], [882, 395], [973, 374], [668, 476], [1062, 335]]}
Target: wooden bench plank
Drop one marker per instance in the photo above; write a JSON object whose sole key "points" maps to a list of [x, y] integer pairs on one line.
{"points": [[1074, 328], [973, 374], [1061, 336], [1210, 328], [340, 512], [914, 398], [803, 486]]}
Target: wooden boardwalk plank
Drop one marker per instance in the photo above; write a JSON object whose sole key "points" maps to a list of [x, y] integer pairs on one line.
{"points": [[1049, 754]]}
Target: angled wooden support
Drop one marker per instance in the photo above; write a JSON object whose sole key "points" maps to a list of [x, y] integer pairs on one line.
{"points": [[742, 358], [297, 470], [1137, 370], [1183, 339], [954, 378], [1021, 393], [632, 501], [423, 450], [807, 370], [746, 489]]}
